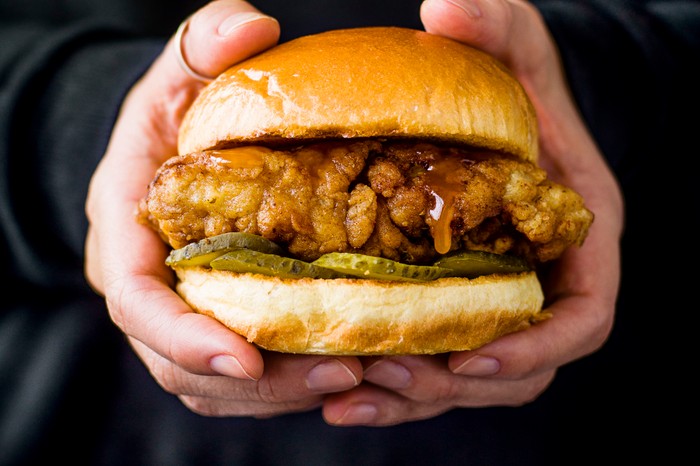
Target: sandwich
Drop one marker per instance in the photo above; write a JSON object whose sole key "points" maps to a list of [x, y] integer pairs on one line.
{"points": [[365, 191]]}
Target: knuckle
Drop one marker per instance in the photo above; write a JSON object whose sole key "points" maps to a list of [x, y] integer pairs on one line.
{"points": [[266, 391]]}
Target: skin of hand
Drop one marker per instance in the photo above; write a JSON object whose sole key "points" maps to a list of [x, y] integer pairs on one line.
{"points": [[217, 373]]}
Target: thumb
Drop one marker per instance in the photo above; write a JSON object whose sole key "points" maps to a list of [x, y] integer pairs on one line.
{"points": [[215, 37], [511, 30], [219, 35], [514, 32]]}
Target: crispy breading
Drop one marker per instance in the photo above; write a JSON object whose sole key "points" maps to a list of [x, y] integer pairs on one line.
{"points": [[361, 216], [365, 196]]}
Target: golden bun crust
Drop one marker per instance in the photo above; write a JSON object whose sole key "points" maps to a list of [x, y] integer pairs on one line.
{"points": [[364, 317], [365, 82]]}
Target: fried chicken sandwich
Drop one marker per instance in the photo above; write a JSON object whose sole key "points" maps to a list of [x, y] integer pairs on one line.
{"points": [[363, 191]]}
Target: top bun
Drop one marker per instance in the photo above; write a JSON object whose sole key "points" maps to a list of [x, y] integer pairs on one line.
{"points": [[365, 82]]}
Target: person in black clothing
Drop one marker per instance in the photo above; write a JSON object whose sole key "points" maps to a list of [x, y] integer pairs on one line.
{"points": [[90, 98]]}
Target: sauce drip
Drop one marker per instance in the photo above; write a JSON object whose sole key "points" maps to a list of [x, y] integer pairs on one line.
{"points": [[444, 185], [243, 157]]}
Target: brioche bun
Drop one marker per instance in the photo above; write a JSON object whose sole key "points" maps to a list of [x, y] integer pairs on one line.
{"points": [[361, 317], [364, 83]]}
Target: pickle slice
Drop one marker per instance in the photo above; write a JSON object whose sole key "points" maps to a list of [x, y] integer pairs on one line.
{"points": [[472, 264], [249, 261], [378, 268], [203, 252]]}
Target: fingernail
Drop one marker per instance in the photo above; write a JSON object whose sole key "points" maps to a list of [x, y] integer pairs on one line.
{"points": [[233, 22], [229, 366], [479, 365], [470, 7], [388, 374], [358, 413], [330, 376]]}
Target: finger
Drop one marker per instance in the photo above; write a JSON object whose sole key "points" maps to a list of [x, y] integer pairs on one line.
{"points": [[431, 382], [511, 30], [222, 33], [217, 36], [369, 405], [212, 395], [375, 406], [430, 394], [287, 377], [223, 407], [290, 383], [147, 310]]}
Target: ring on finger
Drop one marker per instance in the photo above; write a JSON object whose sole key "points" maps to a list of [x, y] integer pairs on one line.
{"points": [[179, 53]]}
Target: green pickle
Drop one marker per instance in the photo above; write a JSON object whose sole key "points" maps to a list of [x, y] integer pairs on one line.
{"points": [[249, 261], [378, 268], [472, 264], [203, 252], [245, 252]]}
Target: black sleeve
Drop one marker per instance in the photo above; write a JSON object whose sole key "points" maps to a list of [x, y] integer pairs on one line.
{"points": [[60, 91]]}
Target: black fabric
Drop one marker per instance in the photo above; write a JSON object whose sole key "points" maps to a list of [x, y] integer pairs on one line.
{"points": [[72, 390]]}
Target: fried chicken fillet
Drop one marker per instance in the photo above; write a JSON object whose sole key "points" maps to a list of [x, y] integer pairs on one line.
{"points": [[403, 200]]}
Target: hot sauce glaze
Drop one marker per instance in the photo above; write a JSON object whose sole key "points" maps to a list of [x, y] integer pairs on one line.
{"points": [[315, 158], [443, 181], [243, 157]]}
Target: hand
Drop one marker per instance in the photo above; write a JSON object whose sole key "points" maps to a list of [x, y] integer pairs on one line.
{"points": [[581, 288], [212, 370]]}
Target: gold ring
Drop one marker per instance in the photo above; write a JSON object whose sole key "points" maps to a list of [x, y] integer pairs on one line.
{"points": [[181, 56]]}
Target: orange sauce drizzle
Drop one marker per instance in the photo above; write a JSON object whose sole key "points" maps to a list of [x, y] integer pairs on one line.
{"points": [[444, 187], [243, 157]]}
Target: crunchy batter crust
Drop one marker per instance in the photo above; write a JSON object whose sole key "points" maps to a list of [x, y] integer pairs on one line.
{"points": [[377, 198]]}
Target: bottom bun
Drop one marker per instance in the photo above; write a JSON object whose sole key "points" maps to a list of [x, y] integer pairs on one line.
{"points": [[364, 317]]}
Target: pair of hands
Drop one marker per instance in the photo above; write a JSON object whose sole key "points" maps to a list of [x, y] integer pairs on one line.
{"points": [[217, 373]]}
